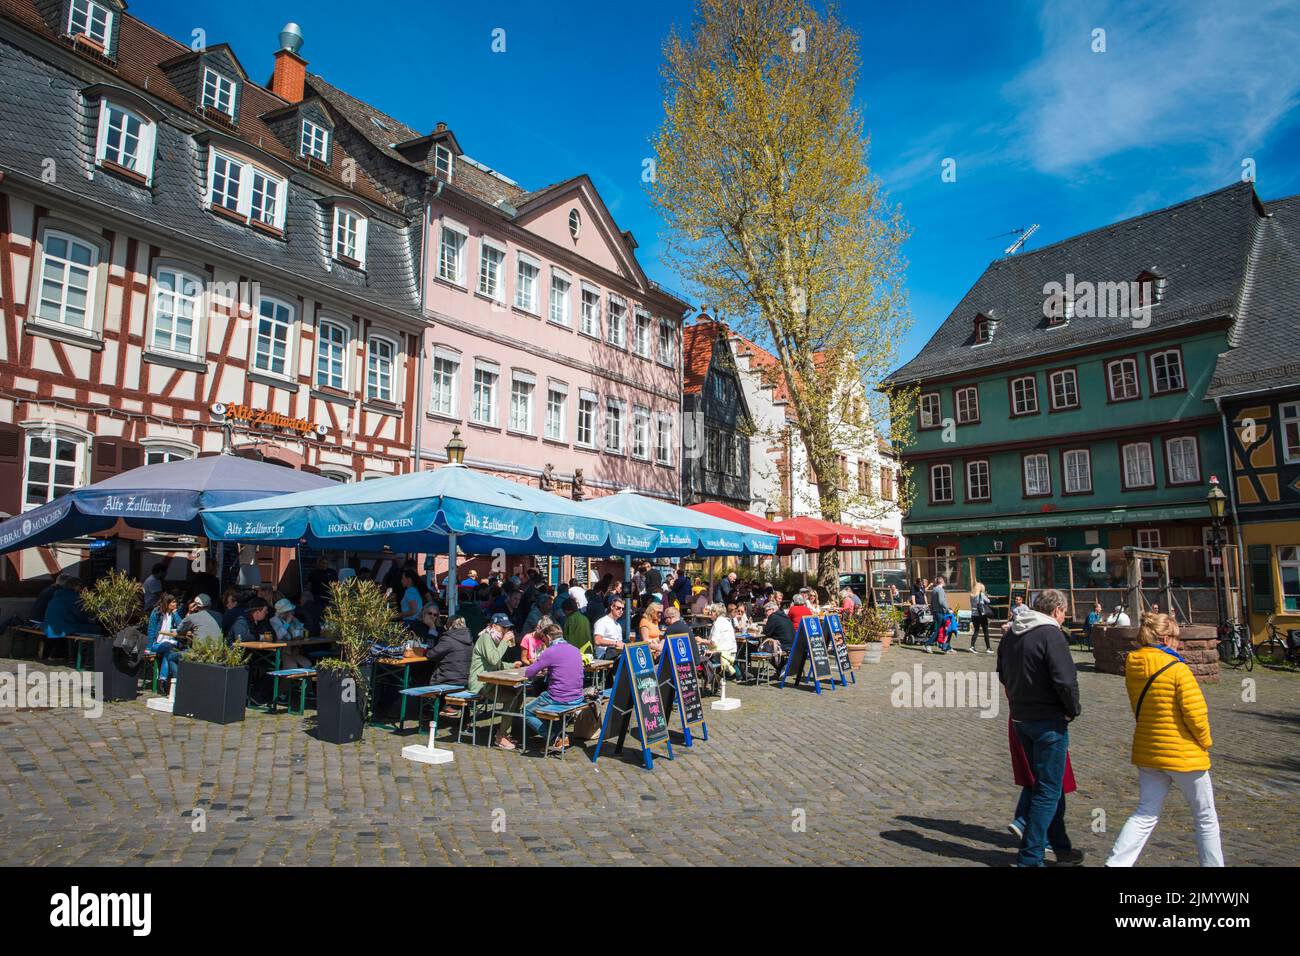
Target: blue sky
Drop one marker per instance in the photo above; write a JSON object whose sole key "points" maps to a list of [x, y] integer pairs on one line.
{"points": [[1042, 129]]}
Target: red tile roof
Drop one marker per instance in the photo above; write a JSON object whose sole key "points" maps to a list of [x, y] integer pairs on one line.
{"points": [[697, 352]]}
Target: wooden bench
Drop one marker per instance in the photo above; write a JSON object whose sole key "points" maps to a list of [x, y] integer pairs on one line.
{"points": [[303, 676], [27, 634], [561, 712], [466, 702]]}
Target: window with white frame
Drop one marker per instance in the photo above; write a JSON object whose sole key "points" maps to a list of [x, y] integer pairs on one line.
{"points": [[349, 236], [560, 286], [177, 311], [381, 363], [1122, 380], [1139, 470], [218, 92], [451, 252], [444, 161], [978, 485], [1076, 471], [929, 410], [940, 483], [1024, 395], [1289, 421], [617, 322], [588, 408], [275, 319], [332, 341], [1038, 476], [1166, 372], [67, 288], [968, 405], [666, 340], [1288, 569], [484, 408], [1149, 538], [252, 193], [641, 334], [226, 182], [490, 263], [641, 432], [614, 426], [557, 399], [163, 454], [56, 464], [125, 139], [264, 200], [445, 383], [1183, 460], [1065, 389], [664, 440], [315, 141], [522, 386], [527, 270], [590, 311], [89, 19]]}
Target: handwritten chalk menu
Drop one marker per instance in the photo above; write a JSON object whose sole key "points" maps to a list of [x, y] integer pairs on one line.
{"points": [[834, 629], [636, 691], [809, 648], [677, 675]]}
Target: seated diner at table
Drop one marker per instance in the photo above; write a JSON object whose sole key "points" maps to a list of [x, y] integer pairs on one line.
{"points": [[164, 620], [648, 630], [722, 638], [64, 616], [286, 627], [249, 623], [608, 635], [562, 663], [577, 629], [535, 641], [450, 656], [489, 655]]}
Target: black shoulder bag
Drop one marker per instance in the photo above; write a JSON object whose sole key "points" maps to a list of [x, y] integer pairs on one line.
{"points": [[1142, 696]]}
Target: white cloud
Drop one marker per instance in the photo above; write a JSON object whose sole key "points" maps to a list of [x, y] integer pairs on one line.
{"points": [[1206, 77]]}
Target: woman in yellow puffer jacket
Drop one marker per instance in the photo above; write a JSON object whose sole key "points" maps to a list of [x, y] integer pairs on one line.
{"points": [[1170, 742]]}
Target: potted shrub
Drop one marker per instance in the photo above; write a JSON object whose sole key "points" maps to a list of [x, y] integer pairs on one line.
{"points": [[116, 601], [868, 632], [212, 682], [359, 616]]}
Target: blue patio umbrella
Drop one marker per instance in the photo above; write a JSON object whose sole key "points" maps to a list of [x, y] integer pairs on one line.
{"points": [[166, 497], [432, 511], [683, 531]]}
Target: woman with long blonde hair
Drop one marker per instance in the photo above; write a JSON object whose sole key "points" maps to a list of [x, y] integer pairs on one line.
{"points": [[980, 611], [1171, 742]]}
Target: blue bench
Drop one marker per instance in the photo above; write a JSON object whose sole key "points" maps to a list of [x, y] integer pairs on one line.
{"points": [[305, 675], [561, 712], [430, 692]]}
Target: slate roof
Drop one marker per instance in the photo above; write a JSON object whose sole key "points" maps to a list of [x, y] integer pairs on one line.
{"points": [[1265, 341], [54, 124], [1201, 246]]}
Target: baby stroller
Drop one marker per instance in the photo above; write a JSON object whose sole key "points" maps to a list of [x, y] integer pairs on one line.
{"points": [[918, 625]]}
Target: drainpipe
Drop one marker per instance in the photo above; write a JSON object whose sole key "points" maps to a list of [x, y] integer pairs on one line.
{"points": [[1236, 525], [426, 219]]}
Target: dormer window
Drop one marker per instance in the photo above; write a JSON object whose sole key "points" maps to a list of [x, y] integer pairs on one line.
{"points": [[91, 20], [314, 142], [349, 237], [218, 93], [240, 190], [983, 330], [125, 141], [444, 161], [1062, 310], [1150, 289]]}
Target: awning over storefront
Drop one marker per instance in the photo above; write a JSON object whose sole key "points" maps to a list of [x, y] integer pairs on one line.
{"points": [[844, 537], [1059, 519]]}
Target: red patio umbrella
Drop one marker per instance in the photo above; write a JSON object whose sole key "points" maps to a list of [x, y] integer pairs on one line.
{"points": [[788, 538], [841, 536]]}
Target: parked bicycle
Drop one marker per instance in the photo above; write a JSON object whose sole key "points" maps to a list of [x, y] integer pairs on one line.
{"points": [[1280, 647], [1235, 646]]}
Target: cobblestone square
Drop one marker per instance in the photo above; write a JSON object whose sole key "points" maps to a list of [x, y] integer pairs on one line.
{"points": [[789, 778]]}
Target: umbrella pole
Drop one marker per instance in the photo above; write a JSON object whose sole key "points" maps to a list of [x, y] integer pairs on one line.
{"points": [[627, 596], [453, 580]]}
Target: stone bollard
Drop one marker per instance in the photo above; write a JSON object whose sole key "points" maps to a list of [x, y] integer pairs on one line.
{"points": [[1199, 646]]}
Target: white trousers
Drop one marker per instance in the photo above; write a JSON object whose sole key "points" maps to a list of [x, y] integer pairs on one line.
{"points": [[1153, 787]]}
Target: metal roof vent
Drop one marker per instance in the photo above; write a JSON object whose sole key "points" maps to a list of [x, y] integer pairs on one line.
{"points": [[291, 38]]}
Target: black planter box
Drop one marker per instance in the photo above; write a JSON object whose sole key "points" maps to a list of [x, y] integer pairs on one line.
{"points": [[338, 721], [211, 692], [120, 682]]}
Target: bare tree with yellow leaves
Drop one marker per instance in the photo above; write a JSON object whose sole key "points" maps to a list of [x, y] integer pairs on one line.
{"points": [[774, 218]]}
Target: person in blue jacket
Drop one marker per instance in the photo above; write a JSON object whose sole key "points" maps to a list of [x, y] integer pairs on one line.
{"points": [[64, 616], [164, 620]]}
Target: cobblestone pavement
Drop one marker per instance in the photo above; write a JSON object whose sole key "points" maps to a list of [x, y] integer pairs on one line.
{"points": [[873, 783]]}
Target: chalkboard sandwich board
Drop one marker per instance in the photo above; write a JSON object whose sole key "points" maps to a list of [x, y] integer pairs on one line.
{"points": [[678, 682], [636, 692], [834, 629], [809, 648]]}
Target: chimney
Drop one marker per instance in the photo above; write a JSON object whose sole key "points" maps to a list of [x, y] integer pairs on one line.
{"points": [[290, 76]]}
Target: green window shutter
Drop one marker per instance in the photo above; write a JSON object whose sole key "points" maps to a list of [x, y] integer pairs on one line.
{"points": [[1261, 578]]}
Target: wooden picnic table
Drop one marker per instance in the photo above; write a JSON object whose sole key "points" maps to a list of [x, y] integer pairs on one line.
{"points": [[600, 669], [514, 679], [404, 664], [274, 650]]}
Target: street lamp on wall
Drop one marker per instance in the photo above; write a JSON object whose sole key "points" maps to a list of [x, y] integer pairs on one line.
{"points": [[1217, 502], [455, 448], [770, 514]]}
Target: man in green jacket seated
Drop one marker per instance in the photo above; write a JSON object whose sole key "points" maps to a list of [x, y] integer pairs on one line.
{"points": [[577, 628], [489, 655]]}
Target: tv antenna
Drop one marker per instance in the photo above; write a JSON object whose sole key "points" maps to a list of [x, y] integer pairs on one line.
{"points": [[1024, 234]]}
